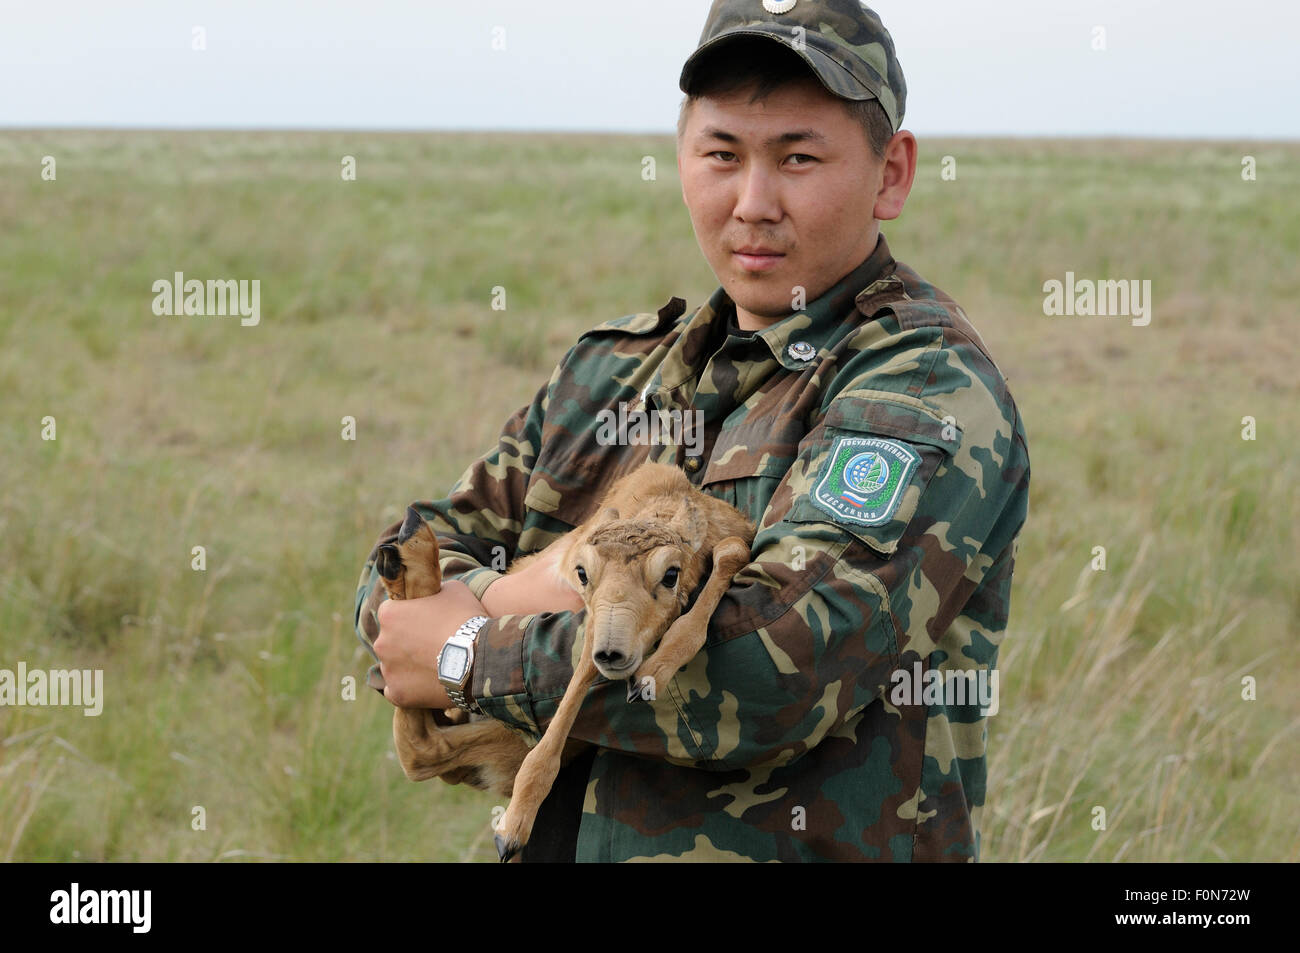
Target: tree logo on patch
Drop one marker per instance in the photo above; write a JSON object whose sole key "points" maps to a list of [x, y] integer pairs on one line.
{"points": [[864, 479], [865, 474]]}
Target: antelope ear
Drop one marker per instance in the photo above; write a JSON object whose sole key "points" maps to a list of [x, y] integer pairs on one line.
{"points": [[696, 527], [690, 520]]}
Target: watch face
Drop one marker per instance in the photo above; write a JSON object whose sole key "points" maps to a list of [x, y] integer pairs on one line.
{"points": [[454, 660]]}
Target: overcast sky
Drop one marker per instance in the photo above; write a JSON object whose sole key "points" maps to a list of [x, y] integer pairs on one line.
{"points": [[1185, 68]]}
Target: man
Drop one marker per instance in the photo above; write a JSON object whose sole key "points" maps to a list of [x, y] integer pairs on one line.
{"points": [[849, 408]]}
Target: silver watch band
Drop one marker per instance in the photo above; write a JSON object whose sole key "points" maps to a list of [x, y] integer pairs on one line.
{"points": [[469, 632]]}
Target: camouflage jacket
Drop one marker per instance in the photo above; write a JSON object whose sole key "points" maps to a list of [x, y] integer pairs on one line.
{"points": [[874, 443]]}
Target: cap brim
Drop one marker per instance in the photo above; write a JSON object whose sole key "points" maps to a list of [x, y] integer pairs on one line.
{"points": [[837, 80]]}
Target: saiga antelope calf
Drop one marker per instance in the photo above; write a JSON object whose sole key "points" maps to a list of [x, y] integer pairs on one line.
{"points": [[635, 564]]}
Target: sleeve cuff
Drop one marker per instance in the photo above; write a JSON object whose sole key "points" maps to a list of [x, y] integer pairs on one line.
{"points": [[479, 579], [498, 683]]}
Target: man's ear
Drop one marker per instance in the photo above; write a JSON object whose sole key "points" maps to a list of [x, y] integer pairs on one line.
{"points": [[683, 116], [897, 175]]}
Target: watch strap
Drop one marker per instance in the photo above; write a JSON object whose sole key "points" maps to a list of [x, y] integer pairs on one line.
{"points": [[468, 635]]}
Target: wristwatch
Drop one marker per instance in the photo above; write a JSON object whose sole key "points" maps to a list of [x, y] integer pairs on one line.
{"points": [[456, 663]]}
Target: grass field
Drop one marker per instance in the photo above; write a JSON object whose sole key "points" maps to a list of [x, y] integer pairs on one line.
{"points": [[1121, 689]]}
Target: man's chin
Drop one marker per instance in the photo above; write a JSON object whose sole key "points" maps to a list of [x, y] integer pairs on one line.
{"points": [[761, 295], [767, 310]]}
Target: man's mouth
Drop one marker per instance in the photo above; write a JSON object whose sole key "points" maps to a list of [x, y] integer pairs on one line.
{"points": [[757, 257]]}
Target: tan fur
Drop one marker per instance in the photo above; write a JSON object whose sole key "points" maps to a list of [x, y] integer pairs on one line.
{"points": [[452, 745], [652, 520]]}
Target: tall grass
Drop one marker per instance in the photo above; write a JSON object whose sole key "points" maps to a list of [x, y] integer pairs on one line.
{"points": [[226, 689]]}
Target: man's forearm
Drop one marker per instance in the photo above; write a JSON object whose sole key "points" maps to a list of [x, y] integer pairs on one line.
{"points": [[414, 631], [531, 589]]}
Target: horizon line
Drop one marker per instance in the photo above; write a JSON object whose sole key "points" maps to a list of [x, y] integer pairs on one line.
{"points": [[471, 130]]}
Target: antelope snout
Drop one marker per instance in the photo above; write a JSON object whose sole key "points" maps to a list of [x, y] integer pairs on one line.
{"points": [[615, 662]]}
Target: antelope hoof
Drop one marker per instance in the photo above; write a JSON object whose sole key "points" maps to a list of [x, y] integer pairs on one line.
{"points": [[513, 831], [659, 676], [507, 849]]}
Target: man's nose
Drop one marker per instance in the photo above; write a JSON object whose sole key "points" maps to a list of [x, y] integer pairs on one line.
{"points": [[759, 199]]}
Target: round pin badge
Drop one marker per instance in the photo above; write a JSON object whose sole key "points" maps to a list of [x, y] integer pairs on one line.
{"points": [[779, 6], [802, 351]]}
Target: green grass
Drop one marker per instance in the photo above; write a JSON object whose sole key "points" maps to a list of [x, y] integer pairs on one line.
{"points": [[224, 688]]}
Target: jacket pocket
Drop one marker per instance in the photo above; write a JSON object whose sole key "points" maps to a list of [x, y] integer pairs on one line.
{"points": [[745, 468]]}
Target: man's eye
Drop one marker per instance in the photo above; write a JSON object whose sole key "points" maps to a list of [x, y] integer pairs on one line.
{"points": [[808, 159], [724, 156]]}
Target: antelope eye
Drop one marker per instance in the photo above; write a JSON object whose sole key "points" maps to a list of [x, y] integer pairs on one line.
{"points": [[582, 575], [670, 578]]}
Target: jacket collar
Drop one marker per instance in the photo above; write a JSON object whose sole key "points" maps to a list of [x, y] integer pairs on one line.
{"points": [[824, 320], [814, 328]]}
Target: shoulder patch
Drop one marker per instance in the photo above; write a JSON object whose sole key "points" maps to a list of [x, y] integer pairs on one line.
{"points": [[863, 479]]}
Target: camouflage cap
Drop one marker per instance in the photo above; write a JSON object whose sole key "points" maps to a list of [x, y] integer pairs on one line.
{"points": [[843, 41]]}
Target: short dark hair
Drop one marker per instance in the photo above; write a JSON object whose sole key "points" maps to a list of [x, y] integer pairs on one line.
{"points": [[768, 66]]}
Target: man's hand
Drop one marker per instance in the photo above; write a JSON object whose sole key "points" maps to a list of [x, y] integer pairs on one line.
{"points": [[411, 634], [533, 587]]}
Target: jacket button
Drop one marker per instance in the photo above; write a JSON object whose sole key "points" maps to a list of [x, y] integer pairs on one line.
{"points": [[692, 464]]}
